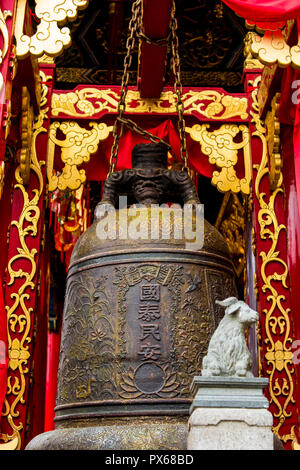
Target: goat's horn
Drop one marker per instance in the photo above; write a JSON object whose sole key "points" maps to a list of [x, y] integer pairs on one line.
{"points": [[227, 302]]}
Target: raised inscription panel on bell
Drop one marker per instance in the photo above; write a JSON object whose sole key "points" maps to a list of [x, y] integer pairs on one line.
{"points": [[147, 360]]}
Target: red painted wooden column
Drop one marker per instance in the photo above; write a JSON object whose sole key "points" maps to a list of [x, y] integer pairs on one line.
{"points": [[53, 348], [156, 20], [24, 277], [270, 240]]}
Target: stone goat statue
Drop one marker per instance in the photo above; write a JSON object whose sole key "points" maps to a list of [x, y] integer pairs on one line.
{"points": [[228, 354]]}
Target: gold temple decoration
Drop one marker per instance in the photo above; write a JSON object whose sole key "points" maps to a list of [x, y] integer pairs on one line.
{"points": [[86, 102], [277, 324], [20, 323], [250, 62], [231, 224], [50, 38], [222, 149], [273, 141], [272, 47], [1, 178], [267, 76], [26, 136], [76, 148], [79, 104], [4, 32]]}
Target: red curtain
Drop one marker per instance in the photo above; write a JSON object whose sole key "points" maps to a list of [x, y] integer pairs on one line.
{"points": [[166, 130], [265, 10], [3, 349]]}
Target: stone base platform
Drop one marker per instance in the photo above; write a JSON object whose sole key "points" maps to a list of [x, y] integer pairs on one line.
{"points": [[230, 413]]}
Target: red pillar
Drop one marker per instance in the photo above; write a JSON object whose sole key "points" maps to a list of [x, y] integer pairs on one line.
{"points": [[22, 293], [273, 283]]}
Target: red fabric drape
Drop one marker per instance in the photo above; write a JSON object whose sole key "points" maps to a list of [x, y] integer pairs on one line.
{"points": [[167, 131], [3, 349], [265, 10]]}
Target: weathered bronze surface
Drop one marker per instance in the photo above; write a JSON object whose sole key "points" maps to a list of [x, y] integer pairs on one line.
{"points": [[138, 318]]}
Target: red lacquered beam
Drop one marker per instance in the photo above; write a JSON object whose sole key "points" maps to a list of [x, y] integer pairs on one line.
{"points": [[152, 66]]}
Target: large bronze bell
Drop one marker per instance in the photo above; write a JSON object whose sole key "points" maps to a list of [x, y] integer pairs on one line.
{"points": [[137, 321]]}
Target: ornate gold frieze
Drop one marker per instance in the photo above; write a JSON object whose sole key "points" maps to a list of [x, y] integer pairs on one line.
{"points": [[18, 313], [50, 37], [222, 149], [76, 148], [90, 101], [274, 278], [79, 103]]}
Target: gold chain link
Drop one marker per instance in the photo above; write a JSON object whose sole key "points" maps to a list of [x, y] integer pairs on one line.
{"points": [[134, 25], [178, 87], [135, 31]]}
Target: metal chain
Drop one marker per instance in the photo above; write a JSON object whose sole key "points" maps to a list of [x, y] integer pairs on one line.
{"points": [[134, 127], [135, 31], [178, 87], [154, 42]]}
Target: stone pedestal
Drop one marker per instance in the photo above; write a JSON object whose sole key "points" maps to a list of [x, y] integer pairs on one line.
{"points": [[229, 413]]}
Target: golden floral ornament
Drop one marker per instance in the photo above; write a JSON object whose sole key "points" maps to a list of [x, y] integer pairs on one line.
{"points": [[50, 37], [17, 355], [279, 355]]}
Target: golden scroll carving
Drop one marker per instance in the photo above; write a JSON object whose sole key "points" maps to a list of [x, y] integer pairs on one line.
{"points": [[89, 101], [222, 150], [50, 38], [19, 322], [274, 277], [272, 47], [76, 148]]}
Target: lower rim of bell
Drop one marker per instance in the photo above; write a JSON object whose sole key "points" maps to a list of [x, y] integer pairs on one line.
{"points": [[75, 411], [107, 421], [125, 433]]}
